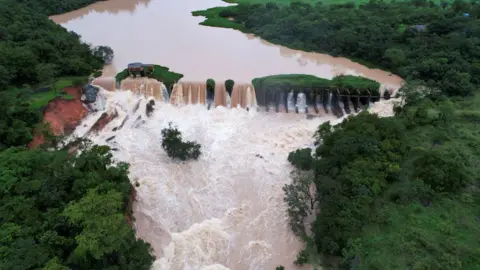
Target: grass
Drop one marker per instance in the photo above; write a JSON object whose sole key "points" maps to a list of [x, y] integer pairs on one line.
{"points": [[40, 100], [300, 81], [442, 236], [160, 73]]}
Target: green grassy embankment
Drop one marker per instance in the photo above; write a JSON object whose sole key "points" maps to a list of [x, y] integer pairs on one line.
{"points": [[160, 73], [41, 99], [301, 81]]}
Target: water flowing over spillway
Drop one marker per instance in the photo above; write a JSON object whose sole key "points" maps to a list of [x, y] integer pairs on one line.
{"points": [[224, 211], [226, 208]]}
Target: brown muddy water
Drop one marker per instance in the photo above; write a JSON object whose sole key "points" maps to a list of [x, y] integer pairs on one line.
{"points": [[164, 32], [226, 210]]}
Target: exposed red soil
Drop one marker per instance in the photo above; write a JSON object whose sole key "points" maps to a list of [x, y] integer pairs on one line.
{"points": [[62, 115]]}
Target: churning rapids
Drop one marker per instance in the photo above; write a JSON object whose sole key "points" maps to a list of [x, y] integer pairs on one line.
{"points": [[224, 211]]}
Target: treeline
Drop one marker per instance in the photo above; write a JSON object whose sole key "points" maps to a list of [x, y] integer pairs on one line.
{"points": [[416, 40], [53, 7], [393, 193], [33, 48]]}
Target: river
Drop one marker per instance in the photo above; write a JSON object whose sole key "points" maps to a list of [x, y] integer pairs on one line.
{"points": [[226, 210], [164, 32]]}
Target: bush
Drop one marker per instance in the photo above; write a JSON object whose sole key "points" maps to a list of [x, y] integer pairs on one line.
{"points": [[176, 148], [301, 158], [97, 73], [210, 84], [280, 268], [78, 82], [229, 86], [386, 94]]}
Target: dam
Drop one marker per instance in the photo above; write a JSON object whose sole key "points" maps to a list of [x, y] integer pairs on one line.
{"points": [[284, 99], [225, 210]]}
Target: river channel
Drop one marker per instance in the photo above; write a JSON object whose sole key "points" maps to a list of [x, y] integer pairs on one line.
{"points": [[226, 210]]}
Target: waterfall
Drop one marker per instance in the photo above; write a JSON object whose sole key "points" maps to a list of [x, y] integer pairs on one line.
{"points": [[176, 97], [220, 95], [291, 102], [107, 83], [146, 86], [301, 103], [184, 93]]}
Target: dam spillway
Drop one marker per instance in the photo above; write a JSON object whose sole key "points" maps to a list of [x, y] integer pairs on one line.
{"points": [[312, 100]]}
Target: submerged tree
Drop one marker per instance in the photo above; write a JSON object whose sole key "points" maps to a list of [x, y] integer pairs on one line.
{"points": [[175, 147], [300, 199]]}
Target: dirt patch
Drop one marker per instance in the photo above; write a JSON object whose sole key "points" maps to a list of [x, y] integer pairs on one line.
{"points": [[62, 115]]}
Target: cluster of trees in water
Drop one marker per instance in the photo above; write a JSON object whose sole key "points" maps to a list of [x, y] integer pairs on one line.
{"points": [[57, 210]]}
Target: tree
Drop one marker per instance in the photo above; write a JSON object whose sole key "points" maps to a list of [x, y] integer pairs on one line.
{"points": [[5, 77], [229, 86], [210, 85], [17, 120], [176, 148], [105, 53], [46, 73], [395, 56], [301, 158], [300, 199], [443, 169], [62, 211]]}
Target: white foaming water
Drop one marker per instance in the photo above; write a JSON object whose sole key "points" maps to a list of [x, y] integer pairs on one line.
{"points": [[224, 211], [301, 102]]}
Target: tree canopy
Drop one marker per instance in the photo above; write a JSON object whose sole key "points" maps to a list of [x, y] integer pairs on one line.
{"points": [[66, 212], [32, 45]]}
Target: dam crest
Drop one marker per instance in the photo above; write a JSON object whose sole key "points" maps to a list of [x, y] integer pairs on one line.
{"points": [[281, 99]]}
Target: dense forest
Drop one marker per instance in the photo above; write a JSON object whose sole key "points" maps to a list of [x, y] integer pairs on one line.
{"points": [[33, 48], [392, 193], [53, 7], [57, 210]]}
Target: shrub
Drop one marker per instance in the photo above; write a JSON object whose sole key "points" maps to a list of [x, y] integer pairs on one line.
{"points": [[176, 148], [229, 86], [97, 73], [386, 94], [210, 84]]}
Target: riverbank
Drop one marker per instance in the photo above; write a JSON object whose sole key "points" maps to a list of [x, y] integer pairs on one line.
{"points": [[398, 181]]}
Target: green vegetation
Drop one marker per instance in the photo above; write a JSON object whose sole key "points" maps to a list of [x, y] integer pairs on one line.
{"points": [[66, 212], [344, 84], [302, 159], [33, 49], [57, 210], [229, 86], [160, 73], [53, 7], [176, 148], [399, 192], [40, 100], [435, 47]]}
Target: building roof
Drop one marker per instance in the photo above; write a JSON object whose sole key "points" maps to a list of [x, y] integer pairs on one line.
{"points": [[135, 65]]}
